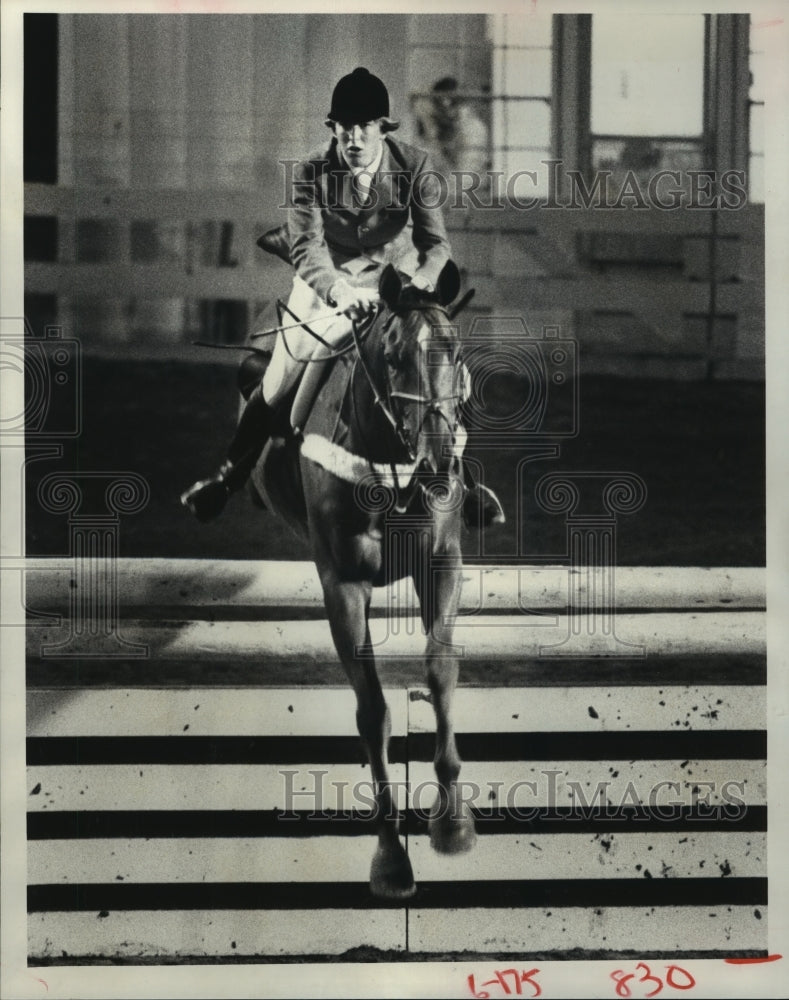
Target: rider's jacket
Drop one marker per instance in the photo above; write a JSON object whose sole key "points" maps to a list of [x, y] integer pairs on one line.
{"points": [[400, 223]]}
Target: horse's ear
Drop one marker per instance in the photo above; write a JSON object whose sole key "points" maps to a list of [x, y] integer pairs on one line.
{"points": [[390, 285], [448, 284]]}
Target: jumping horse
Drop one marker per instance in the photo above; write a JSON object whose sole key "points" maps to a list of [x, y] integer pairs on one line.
{"points": [[382, 447]]}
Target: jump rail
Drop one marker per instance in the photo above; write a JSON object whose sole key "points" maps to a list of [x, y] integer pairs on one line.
{"points": [[207, 612], [173, 582], [220, 819], [154, 832]]}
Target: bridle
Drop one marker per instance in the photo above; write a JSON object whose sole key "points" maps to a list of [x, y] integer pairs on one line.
{"points": [[388, 400]]}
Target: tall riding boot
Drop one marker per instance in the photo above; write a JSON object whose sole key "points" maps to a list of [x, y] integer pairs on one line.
{"points": [[481, 506], [207, 498]]}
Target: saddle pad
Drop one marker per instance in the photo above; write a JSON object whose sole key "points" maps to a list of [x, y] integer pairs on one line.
{"points": [[355, 468]]}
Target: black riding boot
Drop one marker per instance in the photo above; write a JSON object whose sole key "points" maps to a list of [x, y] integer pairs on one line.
{"points": [[207, 498], [481, 506]]}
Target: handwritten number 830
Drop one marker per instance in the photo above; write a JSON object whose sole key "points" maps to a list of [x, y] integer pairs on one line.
{"points": [[676, 977]]}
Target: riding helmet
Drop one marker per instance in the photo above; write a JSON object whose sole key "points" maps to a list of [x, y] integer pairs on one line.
{"points": [[360, 97]]}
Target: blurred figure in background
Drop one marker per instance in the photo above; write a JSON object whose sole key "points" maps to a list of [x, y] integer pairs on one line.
{"points": [[452, 129]]}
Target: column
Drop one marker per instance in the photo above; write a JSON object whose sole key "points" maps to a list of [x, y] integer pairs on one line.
{"points": [[94, 503], [591, 554]]}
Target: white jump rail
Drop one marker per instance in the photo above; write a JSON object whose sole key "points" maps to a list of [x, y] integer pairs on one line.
{"points": [[493, 589], [116, 847], [483, 638], [155, 825]]}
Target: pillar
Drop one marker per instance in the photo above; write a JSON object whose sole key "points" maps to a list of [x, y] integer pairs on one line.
{"points": [[94, 503], [591, 555]]}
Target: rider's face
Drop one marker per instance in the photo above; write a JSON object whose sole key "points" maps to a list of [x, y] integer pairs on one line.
{"points": [[359, 143]]}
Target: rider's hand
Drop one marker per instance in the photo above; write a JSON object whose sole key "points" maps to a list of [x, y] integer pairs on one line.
{"points": [[356, 303], [421, 282]]}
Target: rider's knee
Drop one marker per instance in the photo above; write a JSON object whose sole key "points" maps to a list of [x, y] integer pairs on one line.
{"points": [[250, 372]]}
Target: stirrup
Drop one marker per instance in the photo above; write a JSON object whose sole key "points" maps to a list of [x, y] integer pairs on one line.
{"points": [[206, 499], [481, 508]]}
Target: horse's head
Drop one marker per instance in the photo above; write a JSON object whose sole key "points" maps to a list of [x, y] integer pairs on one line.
{"points": [[419, 368]]}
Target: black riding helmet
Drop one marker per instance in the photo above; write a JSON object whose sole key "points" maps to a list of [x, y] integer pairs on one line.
{"points": [[361, 97]]}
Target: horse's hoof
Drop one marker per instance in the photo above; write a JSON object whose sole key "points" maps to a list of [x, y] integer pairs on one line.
{"points": [[451, 834], [391, 875]]}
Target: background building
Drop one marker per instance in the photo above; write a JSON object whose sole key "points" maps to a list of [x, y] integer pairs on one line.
{"points": [[153, 148]]}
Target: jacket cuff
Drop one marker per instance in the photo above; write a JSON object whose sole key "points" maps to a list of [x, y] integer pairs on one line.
{"points": [[323, 283]]}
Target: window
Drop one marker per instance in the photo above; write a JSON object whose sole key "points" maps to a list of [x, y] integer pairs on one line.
{"points": [[639, 93], [647, 93], [448, 79], [481, 94], [521, 103], [756, 65]]}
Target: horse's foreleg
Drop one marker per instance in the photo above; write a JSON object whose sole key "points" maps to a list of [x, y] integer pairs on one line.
{"points": [[451, 822], [391, 875]]}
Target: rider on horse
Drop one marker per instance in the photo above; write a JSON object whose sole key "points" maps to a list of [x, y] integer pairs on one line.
{"points": [[362, 203]]}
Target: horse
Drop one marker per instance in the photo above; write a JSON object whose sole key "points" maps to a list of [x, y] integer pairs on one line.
{"points": [[382, 445]]}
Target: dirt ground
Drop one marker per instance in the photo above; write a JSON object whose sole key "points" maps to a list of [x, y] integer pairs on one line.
{"points": [[698, 447]]}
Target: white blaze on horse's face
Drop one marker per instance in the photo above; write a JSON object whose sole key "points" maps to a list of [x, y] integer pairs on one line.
{"points": [[419, 355], [436, 427], [423, 338]]}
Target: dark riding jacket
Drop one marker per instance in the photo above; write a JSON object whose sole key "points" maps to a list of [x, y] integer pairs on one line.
{"points": [[401, 222]]}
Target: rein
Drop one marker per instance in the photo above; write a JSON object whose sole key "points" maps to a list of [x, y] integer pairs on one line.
{"points": [[332, 352]]}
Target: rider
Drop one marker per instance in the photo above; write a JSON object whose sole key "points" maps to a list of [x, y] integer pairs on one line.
{"points": [[363, 202]]}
